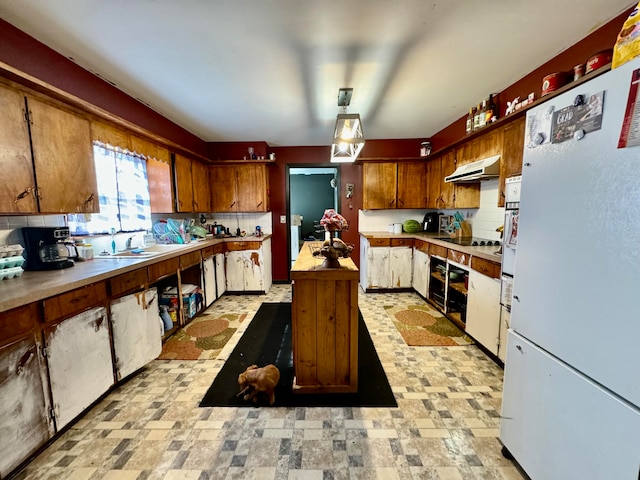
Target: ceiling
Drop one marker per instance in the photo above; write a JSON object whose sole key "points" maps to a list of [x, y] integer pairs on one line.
{"points": [[270, 70]]}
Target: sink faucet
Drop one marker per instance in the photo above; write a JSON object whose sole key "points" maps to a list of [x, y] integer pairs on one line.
{"points": [[128, 245]]}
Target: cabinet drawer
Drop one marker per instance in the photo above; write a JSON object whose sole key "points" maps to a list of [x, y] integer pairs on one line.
{"points": [[379, 242], [76, 301], [490, 269], [18, 322], [189, 259], [402, 242], [128, 281], [240, 246], [219, 248], [458, 257], [421, 245], [437, 250], [207, 251], [162, 269]]}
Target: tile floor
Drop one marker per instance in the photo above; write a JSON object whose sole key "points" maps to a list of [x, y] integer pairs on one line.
{"points": [[445, 427]]}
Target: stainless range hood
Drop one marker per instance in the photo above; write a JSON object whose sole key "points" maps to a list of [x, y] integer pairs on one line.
{"points": [[476, 171]]}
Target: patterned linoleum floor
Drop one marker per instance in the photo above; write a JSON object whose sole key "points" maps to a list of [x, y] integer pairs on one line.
{"points": [[445, 427]]}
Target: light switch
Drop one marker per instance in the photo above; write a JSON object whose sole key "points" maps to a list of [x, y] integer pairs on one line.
{"points": [[283, 219]]}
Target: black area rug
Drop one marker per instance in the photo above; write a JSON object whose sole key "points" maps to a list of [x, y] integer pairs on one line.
{"points": [[268, 340]]}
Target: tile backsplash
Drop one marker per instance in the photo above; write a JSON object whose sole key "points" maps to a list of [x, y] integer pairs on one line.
{"points": [[483, 220], [10, 227]]}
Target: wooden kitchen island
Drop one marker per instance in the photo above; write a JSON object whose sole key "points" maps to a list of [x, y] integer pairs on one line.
{"points": [[324, 325]]}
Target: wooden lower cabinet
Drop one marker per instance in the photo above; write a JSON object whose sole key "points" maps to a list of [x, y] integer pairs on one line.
{"points": [[324, 326], [80, 362], [137, 331]]}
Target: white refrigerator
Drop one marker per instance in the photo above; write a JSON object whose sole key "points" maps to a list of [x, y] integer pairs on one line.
{"points": [[571, 402]]}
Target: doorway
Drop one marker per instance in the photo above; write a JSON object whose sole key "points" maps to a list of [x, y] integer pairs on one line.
{"points": [[312, 190]]}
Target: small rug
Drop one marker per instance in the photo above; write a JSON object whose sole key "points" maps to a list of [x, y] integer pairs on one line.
{"points": [[267, 339], [203, 338], [423, 326]]}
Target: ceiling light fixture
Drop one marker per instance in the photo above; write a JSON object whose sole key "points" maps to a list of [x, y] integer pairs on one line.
{"points": [[348, 138]]}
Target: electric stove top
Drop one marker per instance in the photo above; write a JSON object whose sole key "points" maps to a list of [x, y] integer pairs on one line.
{"points": [[471, 241]]}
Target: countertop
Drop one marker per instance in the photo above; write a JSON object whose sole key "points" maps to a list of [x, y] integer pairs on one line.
{"points": [[32, 286], [487, 253]]}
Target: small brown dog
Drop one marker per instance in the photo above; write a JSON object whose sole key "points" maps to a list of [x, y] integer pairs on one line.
{"points": [[256, 380]]}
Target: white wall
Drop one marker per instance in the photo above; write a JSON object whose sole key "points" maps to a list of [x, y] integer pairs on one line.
{"points": [[483, 220]]}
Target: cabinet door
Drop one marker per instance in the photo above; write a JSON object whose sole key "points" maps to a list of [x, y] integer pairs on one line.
{"points": [[401, 267], [512, 151], [234, 263], [252, 188], [201, 187], [209, 277], [224, 191], [420, 276], [221, 277], [483, 310], [412, 186], [184, 183], [63, 159], [379, 182], [137, 333], [253, 267], [378, 267], [80, 363], [160, 186], [447, 190], [434, 181], [24, 407], [17, 189], [489, 144]]}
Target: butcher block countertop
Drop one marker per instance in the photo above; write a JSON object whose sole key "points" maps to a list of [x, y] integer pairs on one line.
{"points": [[32, 286], [309, 266], [487, 253]]}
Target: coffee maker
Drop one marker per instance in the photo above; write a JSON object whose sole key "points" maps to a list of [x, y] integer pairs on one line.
{"points": [[47, 248], [431, 222]]}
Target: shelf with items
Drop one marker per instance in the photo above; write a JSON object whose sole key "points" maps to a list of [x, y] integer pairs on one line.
{"points": [[437, 281]]}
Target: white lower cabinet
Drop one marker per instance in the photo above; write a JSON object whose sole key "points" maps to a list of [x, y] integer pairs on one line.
{"points": [[25, 424], [249, 270], [378, 267], [80, 362], [389, 267], [209, 280], [420, 278], [221, 276], [401, 267], [137, 332], [483, 310]]}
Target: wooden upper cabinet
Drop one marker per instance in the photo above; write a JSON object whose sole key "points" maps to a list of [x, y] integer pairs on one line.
{"points": [[224, 190], [201, 187], [379, 185], [18, 187], [63, 160], [184, 183], [252, 184], [434, 182], [160, 186], [412, 187], [489, 144], [512, 152], [447, 190], [239, 188]]}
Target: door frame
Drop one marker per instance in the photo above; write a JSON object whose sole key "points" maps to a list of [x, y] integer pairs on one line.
{"points": [[310, 166]]}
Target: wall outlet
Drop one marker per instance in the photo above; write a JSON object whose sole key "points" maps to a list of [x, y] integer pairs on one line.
{"points": [[283, 219]]}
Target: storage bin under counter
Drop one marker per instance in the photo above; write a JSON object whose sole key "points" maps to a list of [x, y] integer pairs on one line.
{"points": [[324, 325]]}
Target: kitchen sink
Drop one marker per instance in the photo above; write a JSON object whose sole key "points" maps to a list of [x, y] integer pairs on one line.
{"points": [[144, 252]]}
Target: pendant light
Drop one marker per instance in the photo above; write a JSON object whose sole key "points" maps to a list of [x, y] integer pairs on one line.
{"points": [[348, 138]]}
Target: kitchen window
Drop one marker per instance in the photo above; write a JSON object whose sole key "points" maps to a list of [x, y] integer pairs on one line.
{"points": [[123, 191]]}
